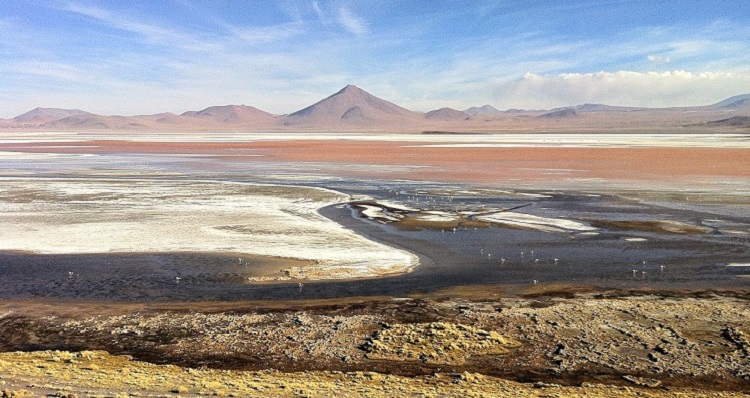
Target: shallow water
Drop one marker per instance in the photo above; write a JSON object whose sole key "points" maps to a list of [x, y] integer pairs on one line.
{"points": [[607, 259], [469, 256]]}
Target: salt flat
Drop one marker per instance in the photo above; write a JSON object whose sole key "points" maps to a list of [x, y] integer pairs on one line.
{"points": [[489, 140], [53, 216]]}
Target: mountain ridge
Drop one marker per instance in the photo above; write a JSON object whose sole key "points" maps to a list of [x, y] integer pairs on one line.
{"points": [[353, 108]]}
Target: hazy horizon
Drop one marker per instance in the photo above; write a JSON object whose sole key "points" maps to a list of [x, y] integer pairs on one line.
{"points": [[139, 58]]}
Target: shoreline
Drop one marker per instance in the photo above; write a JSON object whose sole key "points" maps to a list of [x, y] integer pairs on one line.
{"points": [[279, 214]]}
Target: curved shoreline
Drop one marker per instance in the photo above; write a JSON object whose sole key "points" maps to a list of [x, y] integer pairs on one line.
{"points": [[51, 216]]}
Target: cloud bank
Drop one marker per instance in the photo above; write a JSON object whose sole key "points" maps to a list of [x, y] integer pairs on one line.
{"points": [[625, 88]]}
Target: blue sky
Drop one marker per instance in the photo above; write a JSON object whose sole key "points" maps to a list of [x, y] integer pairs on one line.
{"points": [[136, 57]]}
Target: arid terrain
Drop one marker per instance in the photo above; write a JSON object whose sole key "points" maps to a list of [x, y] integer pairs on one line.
{"points": [[450, 343], [432, 263], [354, 109]]}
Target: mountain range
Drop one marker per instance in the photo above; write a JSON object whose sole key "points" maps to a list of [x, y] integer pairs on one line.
{"points": [[353, 109]]}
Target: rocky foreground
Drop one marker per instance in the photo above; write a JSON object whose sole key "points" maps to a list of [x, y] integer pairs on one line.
{"points": [[604, 345]]}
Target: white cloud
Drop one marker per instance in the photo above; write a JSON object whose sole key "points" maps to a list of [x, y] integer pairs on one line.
{"points": [[267, 34], [627, 88], [352, 22], [53, 70], [658, 59]]}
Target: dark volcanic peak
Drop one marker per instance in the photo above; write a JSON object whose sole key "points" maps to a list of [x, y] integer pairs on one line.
{"points": [[482, 110], [446, 114], [350, 105], [738, 101], [560, 114], [44, 115]]}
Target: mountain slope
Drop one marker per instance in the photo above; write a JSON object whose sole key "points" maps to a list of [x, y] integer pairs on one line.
{"points": [[231, 114], [560, 114], [45, 115], [89, 121], [446, 114], [351, 106], [482, 110], [738, 101]]}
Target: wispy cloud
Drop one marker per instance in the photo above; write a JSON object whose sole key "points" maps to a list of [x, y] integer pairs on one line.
{"points": [[151, 32], [267, 34], [316, 7], [53, 70], [352, 22]]}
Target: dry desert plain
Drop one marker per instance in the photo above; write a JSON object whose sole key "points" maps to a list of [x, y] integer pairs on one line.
{"points": [[566, 263]]}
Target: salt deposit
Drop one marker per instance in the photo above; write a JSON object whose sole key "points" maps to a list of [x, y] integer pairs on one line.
{"points": [[108, 215], [507, 140], [528, 221]]}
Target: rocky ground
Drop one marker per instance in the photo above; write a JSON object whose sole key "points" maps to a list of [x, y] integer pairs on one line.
{"points": [[592, 344]]}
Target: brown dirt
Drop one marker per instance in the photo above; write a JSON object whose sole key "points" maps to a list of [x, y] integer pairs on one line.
{"points": [[676, 342], [96, 373]]}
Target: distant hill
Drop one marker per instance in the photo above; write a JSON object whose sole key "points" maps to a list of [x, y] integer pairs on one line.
{"points": [[446, 114], [738, 101], [45, 115], [351, 106], [89, 121], [231, 114], [353, 109], [561, 114], [603, 108], [482, 110]]}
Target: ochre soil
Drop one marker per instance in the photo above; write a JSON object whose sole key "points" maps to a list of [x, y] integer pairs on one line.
{"points": [[452, 343]]}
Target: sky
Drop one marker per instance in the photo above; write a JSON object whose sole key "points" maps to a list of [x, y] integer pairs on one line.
{"points": [[144, 57]]}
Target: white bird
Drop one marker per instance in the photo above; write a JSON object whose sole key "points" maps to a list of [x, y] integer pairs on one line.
{"points": [[556, 260], [301, 285], [662, 268], [489, 255], [536, 281], [502, 261], [536, 261], [70, 274], [521, 254]]}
